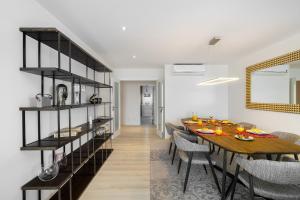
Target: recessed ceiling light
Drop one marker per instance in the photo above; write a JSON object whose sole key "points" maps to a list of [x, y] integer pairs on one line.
{"points": [[219, 80], [123, 28], [134, 56]]}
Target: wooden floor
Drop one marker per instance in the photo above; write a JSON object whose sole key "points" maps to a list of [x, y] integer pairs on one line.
{"points": [[126, 174]]}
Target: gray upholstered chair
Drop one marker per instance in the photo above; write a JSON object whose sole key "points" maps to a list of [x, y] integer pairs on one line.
{"points": [[269, 179], [247, 126], [192, 153], [170, 129], [292, 158], [290, 137]]}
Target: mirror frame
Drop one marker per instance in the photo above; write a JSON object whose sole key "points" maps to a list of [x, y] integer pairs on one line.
{"points": [[284, 59]]}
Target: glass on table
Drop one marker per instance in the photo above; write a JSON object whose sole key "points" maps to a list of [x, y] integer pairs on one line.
{"points": [[199, 122], [240, 129], [194, 116], [219, 130]]}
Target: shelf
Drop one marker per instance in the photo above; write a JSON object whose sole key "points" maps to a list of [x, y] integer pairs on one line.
{"points": [[65, 173], [85, 155], [55, 108], [82, 178], [60, 74], [51, 143], [49, 37]]}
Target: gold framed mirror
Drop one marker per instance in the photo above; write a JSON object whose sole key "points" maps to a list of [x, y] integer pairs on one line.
{"points": [[274, 85]]}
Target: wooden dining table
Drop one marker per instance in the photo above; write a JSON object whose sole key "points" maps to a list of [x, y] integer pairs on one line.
{"points": [[227, 142]]}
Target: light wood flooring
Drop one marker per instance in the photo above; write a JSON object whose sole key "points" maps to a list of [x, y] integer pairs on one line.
{"points": [[126, 174]]}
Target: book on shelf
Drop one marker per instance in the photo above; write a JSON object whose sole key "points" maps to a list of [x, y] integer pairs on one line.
{"points": [[65, 132]]}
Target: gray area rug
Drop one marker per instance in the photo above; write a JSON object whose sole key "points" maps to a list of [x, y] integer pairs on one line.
{"points": [[166, 184]]}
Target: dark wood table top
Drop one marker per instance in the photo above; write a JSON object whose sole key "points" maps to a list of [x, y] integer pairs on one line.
{"points": [[230, 143]]}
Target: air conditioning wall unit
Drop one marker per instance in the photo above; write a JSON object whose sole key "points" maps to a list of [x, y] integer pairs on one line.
{"points": [[277, 70], [189, 69]]}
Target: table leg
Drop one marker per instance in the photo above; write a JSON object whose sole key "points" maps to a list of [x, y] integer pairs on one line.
{"points": [[223, 197]]}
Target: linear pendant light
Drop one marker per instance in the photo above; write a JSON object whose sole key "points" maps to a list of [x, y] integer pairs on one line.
{"points": [[219, 80]]}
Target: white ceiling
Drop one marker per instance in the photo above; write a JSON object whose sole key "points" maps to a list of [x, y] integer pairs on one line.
{"points": [[172, 31]]}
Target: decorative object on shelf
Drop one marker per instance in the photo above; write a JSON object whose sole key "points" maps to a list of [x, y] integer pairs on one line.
{"points": [[62, 94], [101, 130], [43, 100], [76, 94], [95, 100], [61, 159], [90, 121], [65, 132], [49, 173]]}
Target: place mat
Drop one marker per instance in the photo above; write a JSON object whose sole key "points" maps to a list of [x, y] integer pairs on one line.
{"points": [[260, 136]]}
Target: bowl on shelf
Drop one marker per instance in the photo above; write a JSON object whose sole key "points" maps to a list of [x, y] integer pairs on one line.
{"points": [[48, 173]]}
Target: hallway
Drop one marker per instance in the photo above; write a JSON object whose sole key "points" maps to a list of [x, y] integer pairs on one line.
{"points": [[126, 174]]}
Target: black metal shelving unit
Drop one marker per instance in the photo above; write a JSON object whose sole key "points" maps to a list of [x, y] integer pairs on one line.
{"points": [[84, 161]]}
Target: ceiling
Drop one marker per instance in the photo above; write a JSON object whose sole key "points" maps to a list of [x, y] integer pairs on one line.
{"points": [[160, 32]]}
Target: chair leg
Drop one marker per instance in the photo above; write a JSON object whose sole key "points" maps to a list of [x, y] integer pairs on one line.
{"points": [[219, 150], [251, 189], [234, 181], [170, 147], [296, 157], [174, 152], [231, 159], [205, 169], [213, 172], [188, 171], [278, 157], [179, 165]]}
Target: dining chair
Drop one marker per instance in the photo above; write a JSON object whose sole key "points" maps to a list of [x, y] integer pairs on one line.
{"points": [[292, 158], [269, 179], [170, 129], [247, 126], [193, 153], [290, 137]]}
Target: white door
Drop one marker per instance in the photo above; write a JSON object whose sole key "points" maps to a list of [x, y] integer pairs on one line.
{"points": [[161, 109]]}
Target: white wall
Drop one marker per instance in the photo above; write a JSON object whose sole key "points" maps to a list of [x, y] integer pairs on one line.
{"points": [[17, 88], [131, 101], [135, 74], [270, 121], [183, 96]]}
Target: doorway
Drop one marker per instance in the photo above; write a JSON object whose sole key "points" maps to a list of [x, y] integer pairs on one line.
{"points": [[138, 104], [147, 104]]}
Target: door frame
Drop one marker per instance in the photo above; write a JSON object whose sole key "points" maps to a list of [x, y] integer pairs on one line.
{"points": [[160, 108]]}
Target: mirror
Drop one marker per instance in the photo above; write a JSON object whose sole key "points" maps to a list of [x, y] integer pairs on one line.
{"points": [[274, 85], [279, 84]]}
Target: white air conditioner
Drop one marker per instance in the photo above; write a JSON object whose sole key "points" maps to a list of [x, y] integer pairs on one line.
{"points": [[276, 70], [188, 69]]}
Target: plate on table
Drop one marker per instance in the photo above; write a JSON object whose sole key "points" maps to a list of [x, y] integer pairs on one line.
{"points": [[205, 130], [244, 138], [257, 131]]}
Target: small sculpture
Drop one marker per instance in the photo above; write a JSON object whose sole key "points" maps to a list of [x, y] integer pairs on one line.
{"points": [[62, 94], [95, 100]]}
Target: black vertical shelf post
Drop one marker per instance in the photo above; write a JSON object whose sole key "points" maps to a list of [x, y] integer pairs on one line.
{"points": [[58, 49], [24, 128], [24, 50], [110, 113], [105, 115]]}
